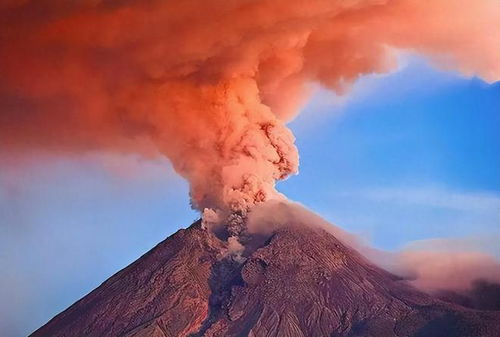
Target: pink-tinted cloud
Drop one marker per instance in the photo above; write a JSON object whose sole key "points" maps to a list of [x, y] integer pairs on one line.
{"points": [[433, 271], [210, 84]]}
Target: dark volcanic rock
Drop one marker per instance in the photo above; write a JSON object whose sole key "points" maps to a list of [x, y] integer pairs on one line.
{"points": [[299, 282], [164, 293], [483, 295]]}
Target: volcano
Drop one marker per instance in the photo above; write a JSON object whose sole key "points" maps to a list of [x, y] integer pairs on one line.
{"points": [[295, 281]]}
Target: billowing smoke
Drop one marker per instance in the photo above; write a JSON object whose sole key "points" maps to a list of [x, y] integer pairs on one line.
{"points": [[460, 275], [211, 84]]}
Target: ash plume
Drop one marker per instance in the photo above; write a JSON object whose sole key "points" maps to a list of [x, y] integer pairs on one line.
{"points": [[463, 275], [211, 84]]}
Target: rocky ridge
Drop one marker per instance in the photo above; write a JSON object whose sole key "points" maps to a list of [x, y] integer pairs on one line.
{"points": [[297, 281]]}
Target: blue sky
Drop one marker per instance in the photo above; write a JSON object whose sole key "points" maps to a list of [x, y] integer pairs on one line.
{"points": [[408, 156]]}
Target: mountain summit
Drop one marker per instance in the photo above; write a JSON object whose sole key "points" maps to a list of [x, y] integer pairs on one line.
{"points": [[296, 281]]}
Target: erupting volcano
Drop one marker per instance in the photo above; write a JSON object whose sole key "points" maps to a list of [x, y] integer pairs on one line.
{"points": [[211, 85]]}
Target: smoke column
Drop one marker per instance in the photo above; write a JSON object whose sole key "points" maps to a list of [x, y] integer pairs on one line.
{"points": [[211, 84]]}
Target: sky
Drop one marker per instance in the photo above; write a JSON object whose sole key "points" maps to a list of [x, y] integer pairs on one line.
{"points": [[402, 159]]}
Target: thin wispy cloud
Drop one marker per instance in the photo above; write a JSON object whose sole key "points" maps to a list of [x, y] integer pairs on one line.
{"points": [[436, 197], [391, 217]]}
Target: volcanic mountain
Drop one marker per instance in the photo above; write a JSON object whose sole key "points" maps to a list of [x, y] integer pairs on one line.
{"points": [[295, 281]]}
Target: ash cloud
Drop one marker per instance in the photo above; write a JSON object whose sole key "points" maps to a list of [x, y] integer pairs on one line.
{"points": [[463, 276], [468, 278], [481, 295], [434, 271], [210, 84]]}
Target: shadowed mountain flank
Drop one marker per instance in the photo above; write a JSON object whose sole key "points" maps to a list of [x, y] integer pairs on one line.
{"points": [[300, 281]]}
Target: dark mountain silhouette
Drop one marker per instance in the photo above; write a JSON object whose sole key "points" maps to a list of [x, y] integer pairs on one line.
{"points": [[298, 281]]}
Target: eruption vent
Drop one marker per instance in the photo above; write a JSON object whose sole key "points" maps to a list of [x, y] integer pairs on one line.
{"points": [[210, 84]]}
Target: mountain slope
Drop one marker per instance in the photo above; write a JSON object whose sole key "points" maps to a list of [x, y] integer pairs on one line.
{"points": [[298, 281]]}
